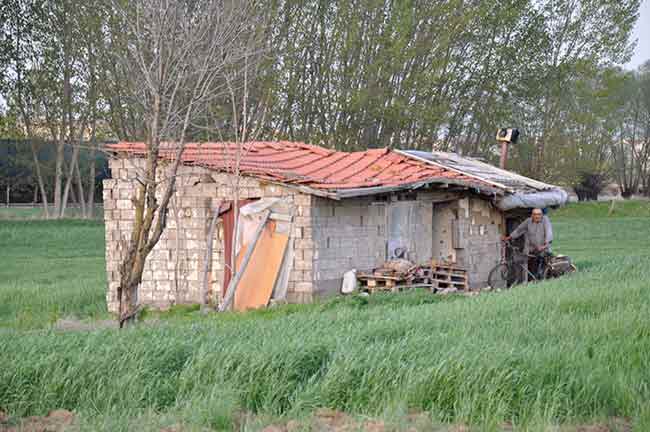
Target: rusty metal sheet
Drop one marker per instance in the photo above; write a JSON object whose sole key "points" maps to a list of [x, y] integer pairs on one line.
{"points": [[228, 221]]}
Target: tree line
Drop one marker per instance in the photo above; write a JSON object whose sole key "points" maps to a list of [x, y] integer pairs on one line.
{"points": [[419, 74]]}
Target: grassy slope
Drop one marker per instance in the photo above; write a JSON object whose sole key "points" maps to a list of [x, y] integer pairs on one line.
{"points": [[49, 270], [562, 351]]}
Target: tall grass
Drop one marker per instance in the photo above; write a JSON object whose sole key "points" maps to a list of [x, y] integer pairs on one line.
{"points": [[50, 270], [563, 351]]}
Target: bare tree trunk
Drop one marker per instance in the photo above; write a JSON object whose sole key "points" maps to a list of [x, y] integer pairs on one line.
{"points": [[68, 183], [66, 121], [28, 123], [73, 198], [90, 202], [39, 177], [81, 194], [92, 96], [74, 172]]}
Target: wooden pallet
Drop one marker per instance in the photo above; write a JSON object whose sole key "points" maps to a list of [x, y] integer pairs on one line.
{"points": [[439, 285], [372, 283], [446, 275]]}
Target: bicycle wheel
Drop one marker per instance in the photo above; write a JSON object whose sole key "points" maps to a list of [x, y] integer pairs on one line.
{"points": [[548, 273], [501, 277]]}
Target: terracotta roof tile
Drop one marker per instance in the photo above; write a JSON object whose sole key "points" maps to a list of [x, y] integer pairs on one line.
{"points": [[313, 166]]}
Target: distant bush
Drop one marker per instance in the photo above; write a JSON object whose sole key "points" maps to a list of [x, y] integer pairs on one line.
{"points": [[590, 185]]}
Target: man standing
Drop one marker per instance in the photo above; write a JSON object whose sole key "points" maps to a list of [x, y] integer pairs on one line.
{"points": [[538, 234]]}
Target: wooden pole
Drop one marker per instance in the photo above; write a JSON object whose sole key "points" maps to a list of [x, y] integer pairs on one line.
{"points": [[208, 254], [504, 155]]}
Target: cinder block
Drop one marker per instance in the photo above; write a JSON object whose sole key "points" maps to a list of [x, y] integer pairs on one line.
{"points": [[271, 190], [163, 285], [296, 276], [115, 163], [124, 193], [302, 264], [293, 297], [123, 204], [125, 228], [161, 275], [109, 184], [303, 244], [126, 215], [302, 199], [302, 287]]}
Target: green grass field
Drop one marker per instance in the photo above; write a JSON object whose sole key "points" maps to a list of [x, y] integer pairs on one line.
{"points": [[36, 213], [50, 270], [569, 351]]}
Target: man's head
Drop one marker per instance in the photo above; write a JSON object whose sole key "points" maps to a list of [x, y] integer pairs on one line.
{"points": [[537, 215]]}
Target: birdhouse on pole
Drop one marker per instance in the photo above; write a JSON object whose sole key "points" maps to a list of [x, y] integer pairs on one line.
{"points": [[505, 137]]}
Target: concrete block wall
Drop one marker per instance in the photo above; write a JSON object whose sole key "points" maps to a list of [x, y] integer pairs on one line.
{"points": [[174, 270], [353, 234], [347, 234], [468, 231]]}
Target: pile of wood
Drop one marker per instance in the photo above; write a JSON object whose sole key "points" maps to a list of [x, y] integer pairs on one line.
{"points": [[398, 275]]}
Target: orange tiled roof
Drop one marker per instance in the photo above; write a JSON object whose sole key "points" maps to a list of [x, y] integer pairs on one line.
{"points": [[313, 166]]}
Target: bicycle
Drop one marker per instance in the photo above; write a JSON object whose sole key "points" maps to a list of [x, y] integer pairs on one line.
{"points": [[511, 268]]}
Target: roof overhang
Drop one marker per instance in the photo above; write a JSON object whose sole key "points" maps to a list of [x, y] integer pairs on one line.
{"points": [[441, 183]]}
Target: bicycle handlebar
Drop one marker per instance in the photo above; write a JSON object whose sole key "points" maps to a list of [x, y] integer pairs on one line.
{"points": [[518, 251]]}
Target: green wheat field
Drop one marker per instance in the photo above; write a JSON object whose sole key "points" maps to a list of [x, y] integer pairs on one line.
{"points": [[540, 357]]}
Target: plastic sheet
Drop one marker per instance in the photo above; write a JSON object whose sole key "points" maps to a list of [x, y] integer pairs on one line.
{"points": [[548, 198]]}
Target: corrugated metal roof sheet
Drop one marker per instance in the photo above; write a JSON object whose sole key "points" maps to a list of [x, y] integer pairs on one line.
{"points": [[508, 180], [317, 167]]}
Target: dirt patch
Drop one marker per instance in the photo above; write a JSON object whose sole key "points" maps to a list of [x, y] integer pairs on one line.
{"points": [[615, 424], [323, 420], [327, 420], [181, 428], [55, 421], [73, 324]]}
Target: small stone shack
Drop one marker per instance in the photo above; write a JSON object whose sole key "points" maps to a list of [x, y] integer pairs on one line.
{"points": [[350, 210]]}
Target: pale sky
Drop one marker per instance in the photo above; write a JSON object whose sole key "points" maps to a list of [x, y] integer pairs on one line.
{"points": [[642, 34]]}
